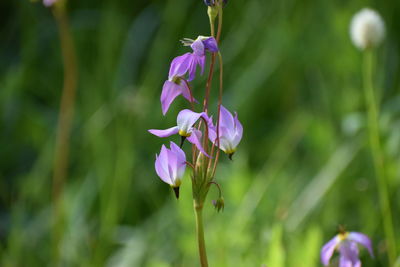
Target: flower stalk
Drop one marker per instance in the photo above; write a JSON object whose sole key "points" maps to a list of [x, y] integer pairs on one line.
{"points": [[66, 114], [198, 208], [377, 154], [197, 127]]}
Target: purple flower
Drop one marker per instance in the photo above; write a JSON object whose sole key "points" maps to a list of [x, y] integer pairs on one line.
{"points": [[185, 121], [212, 2], [230, 132], [188, 62], [346, 244], [198, 56], [182, 65], [170, 166], [49, 3]]}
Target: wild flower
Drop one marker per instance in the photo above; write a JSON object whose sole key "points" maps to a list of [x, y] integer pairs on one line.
{"points": [[367, 29], [186, 64], [230, 132], [170, 166], [185, 128], [347, 245]]}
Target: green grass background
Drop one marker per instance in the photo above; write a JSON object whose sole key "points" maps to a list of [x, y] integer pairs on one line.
{"points": [[303, 167]]}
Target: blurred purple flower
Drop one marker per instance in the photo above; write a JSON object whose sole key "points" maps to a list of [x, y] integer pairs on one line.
{"points": [[230, 132], [212, 2], [181, 65], [170, 166], [185, 121], [49, 3], [346, 244]]}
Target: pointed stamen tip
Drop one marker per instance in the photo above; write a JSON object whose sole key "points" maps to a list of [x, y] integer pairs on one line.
{"points": [[341, 229], [176, 191], [183, 138]]}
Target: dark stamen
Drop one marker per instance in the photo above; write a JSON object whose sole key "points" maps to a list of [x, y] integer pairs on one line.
{"points": [[176, 191], [182, 141]]}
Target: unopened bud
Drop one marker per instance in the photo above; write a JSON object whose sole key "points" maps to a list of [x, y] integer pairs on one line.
{"points": [[219, 204], [212, 12]]}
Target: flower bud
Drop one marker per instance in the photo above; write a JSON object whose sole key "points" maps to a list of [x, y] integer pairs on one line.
{"points": [[212, 12], [219, 204], [367, 29]]}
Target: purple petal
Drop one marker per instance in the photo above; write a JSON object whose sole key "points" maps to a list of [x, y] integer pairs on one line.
{"points": [[179, 66], [212, 130], [201, 61], [49, 3], [238, 133], [169, 92], [345, 262], [210, 44], [161, 166], [328, 249], [348, 253], [198, 48], [180, 159], [226, 119], [166, 132], [225, 141], [363, 240], [195, 139], [185, 120], [173, 166], [186, 93], [194, 61]]}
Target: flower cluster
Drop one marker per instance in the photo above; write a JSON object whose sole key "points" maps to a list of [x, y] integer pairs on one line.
{"points": [[197, 128]]}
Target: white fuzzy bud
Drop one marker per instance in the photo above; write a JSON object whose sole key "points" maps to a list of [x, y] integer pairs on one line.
{"points": [[367, 29]]}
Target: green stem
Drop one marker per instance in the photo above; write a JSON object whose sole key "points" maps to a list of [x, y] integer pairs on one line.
{"points": [[377, 155], [198, 209], [61, 154]]}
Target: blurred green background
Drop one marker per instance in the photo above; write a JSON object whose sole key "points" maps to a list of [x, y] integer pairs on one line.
{"points": [[303, 167]]}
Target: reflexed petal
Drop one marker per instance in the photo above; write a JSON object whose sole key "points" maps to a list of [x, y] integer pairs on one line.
{"points": [[169, 92], [186, 119], [225, 140], [363, 240], [198, 47], [172, 166], [212, 131], [179, 152], [179, 66], [181, 160], [161, 165], [210, 44], [239, 132], [328, 249], [166, 132], [349, 252], [201, 61], [194, 61], [195, 139], [345, 262], [226, 119], [186, 93]]}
